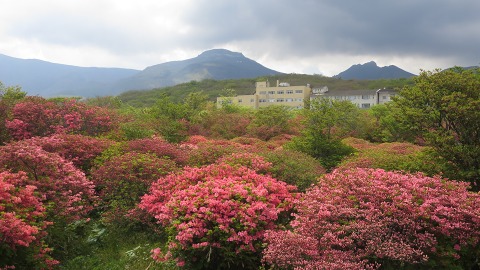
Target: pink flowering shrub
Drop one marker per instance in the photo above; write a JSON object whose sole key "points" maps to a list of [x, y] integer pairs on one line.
{"points": [[79, 149], [206, 153], [35, 116], [249, 160], [366, 218], [216, 215], [122, 180], [22, 224], [160, 148], [255, 143], [65, 188]]}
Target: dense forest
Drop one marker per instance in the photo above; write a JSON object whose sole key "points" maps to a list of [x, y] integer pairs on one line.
{"points": [[165, 179]]}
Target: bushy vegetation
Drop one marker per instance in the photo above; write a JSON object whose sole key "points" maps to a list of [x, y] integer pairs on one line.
{"points": [[174, 182]]}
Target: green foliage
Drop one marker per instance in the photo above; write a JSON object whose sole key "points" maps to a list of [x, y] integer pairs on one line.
{"points": [[110, 246], [294, 168], [443, 109], [386, 127], [11, 93], [394, 156], [326, 122], [227, 122]]}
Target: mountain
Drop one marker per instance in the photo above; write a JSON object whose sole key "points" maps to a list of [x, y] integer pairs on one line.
{"points": [[217, 64], [370, 71], [47, 79]]}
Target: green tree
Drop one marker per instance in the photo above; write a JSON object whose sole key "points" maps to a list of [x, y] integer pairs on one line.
{"points": [[326, 123], [443, 109], [11, 93]]}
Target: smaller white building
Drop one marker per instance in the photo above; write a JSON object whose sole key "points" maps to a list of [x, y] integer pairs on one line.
{"points": [[361, 98]]}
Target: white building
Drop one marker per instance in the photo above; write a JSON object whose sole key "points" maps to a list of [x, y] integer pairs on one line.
{"points": [[361, 98]]}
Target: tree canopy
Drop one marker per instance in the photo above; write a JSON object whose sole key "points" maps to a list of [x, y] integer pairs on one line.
{"points": [[442, 108]]}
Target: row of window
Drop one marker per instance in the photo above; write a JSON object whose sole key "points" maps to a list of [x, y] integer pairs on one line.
{"points": [[280, 100], [354, 97], [281, 92], [251, 100]]}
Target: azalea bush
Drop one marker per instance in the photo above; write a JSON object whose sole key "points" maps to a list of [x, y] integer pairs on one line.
{"points": [[367, 218], [61, 185], [394, 156], [205, 153], [216, 216], [79, 149], [226, 125], [249, 160], [294, 167], [159, 147], [22, 225], [35, 116], [122, 180]]}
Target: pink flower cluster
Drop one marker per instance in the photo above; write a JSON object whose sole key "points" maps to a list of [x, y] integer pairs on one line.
{"points": [[22, 221], [217, 206], [249, 160], [57, 180], [160, 148], [366, 217], [35, 116], [20, 210]]}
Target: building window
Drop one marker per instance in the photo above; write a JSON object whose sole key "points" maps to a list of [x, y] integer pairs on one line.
{"points": [[280, 99], [252, 100], [365, 105], [263, 92], [299, 91], [299, 99], [281, 92], [289, 100], [271, 92], [262, 100], [289, 91], [271, 100], [384, 97], [365, 96]]}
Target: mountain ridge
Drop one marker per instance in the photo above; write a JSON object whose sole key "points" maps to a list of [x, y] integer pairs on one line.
{"points": [[371, 71], [218, 64], [38, 77]]}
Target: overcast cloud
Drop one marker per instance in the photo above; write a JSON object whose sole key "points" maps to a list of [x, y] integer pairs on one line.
{"points": [[301, 36]]}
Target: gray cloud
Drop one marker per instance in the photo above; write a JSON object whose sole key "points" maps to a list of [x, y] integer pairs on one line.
{"points": [[429, 30]]}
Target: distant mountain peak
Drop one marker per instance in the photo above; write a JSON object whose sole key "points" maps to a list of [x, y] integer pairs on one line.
{"points": [[371, 71], [220, 52]]}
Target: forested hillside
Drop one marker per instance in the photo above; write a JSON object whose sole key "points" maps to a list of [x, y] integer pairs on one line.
{"points": [[214, 88], [167, 180]]}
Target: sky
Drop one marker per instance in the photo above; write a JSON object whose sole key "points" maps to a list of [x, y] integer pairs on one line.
{"points": [[292, 36]]}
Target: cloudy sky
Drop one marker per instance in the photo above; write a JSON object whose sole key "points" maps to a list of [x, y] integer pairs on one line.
{"points": [[300, 36]]}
